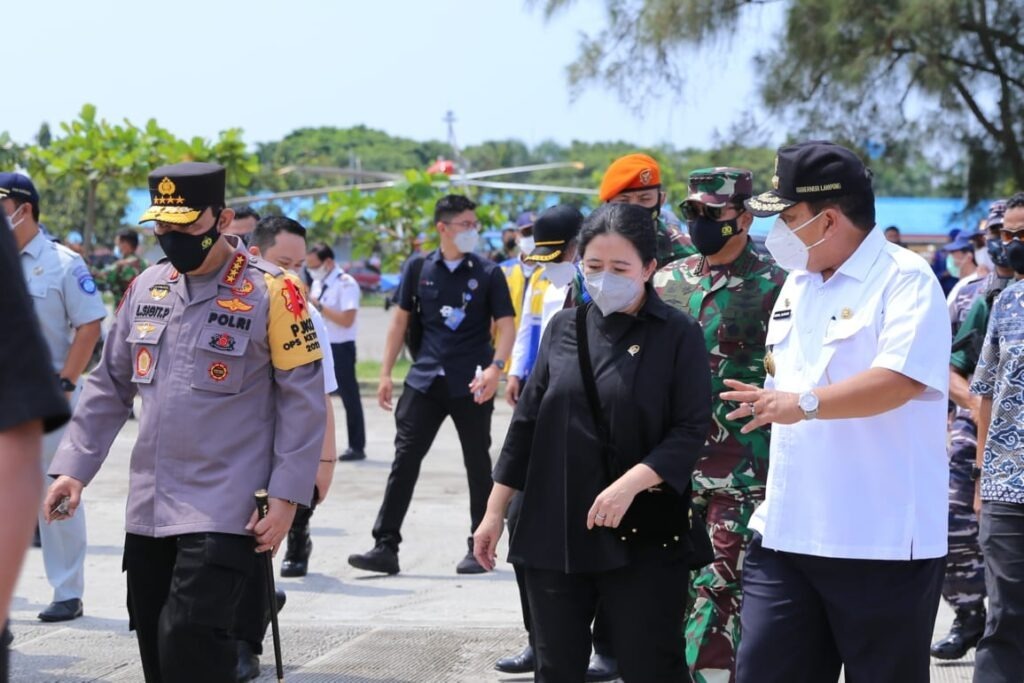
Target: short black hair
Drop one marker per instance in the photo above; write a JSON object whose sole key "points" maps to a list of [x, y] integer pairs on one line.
{"points": [[247, 212], [322, 251], [1015, 202], [452, 205], [893, 228], [635, 223], [129, 236], [859, 208], [264, 235], [18, 201]]}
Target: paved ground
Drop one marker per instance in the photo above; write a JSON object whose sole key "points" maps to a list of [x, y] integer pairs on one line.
{"points": [[426, 624]]}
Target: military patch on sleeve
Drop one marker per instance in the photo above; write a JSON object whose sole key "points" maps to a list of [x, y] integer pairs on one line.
{"points": [[290, 332], [85, 281]]}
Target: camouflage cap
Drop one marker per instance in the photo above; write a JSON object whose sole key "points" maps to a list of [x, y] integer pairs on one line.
{"points": [[995, 213], [720, 185]]}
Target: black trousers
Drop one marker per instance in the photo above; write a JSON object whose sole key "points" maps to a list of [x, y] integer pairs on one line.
{"points": [[1000, 654], [645, 609], [183, 593], [601, 635], [253, 617], [345, 372], [803, 617], [418, 417]]}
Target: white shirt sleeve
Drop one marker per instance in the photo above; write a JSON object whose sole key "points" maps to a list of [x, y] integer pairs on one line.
{"points": [[519, 347], [915, 337], [330, 381], [350, 293]]}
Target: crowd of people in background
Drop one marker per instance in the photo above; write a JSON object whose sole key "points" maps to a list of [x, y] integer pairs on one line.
{"points": [[718, 448]]}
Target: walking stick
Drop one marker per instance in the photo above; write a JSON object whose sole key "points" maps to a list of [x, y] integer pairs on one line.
{"points": [[263, 507]]}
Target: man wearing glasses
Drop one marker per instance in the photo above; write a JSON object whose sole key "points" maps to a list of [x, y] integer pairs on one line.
{"points": [[453, 296], [731, 289]]}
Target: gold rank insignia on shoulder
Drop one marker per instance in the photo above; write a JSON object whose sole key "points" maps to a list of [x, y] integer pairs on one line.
{"points": [[846, 314], [769, 362], [633, 350]]}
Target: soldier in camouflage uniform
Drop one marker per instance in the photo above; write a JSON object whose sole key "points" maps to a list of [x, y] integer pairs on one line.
{"points": [[731, 290], [964, 584], [117, 276]]}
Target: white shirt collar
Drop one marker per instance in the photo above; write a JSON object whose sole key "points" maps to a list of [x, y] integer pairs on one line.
{"points": [[859, 263]]}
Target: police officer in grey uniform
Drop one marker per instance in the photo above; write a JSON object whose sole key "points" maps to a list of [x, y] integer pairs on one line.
{"points": [[70, 312], [209, 338]]}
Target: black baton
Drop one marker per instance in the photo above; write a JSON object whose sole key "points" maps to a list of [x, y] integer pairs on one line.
{"points": [[262, 508]]}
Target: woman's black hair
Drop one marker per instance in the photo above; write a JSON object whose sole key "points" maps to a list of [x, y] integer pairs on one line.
{"points": [[634, 223]]}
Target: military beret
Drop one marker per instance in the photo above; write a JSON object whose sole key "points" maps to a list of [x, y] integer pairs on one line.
{"points": [[631, 172]]}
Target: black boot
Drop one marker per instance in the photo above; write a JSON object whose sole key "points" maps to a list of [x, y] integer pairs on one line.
{"points": [[383, 558], [300, 545], [248, 666], [468, 564], [965, 633]]}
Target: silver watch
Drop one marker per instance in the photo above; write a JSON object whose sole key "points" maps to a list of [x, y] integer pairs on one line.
{"points": [[808, 402]]}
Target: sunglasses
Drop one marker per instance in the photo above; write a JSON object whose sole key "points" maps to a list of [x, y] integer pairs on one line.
{"points": [[692, 210]]}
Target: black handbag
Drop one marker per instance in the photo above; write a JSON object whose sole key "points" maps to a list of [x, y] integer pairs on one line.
{"points": [[414, 331], [657, 515]]}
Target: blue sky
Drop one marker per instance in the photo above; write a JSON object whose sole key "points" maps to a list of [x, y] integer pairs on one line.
{"points": [[397, 65]]}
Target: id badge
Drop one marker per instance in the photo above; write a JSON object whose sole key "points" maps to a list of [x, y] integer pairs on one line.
{"points": [[455, 318]]}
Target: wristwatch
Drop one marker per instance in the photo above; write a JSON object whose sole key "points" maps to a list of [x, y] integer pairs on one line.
{"points": [[808, 402], [66, 385], [500, 364], [975, 473]]}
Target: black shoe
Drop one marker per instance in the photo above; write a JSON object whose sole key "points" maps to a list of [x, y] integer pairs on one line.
{"points": [[383, 558], [36, 541], [351, 455], [521, 663], [248, 667], [280, 599], [965, 633], [65, 610], [6, 638], [468, 564], [296, 558], [602, 668]]}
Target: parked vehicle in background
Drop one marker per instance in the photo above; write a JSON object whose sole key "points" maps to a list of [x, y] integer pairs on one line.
{"points": [[366, 275]]}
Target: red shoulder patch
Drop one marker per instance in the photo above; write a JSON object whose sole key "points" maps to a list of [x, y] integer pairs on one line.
{"points": [[293, 300]]}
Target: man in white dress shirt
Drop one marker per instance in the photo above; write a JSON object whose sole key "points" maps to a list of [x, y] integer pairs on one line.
{"points": [[847, 559]]}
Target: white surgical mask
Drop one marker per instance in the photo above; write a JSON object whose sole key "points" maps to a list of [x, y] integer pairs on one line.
{"points": [[984, 259], [466, 240], [12, 222], [526, 245], [560, 274], [318, 273], [117, 252], [612, 292], [786, 248]]}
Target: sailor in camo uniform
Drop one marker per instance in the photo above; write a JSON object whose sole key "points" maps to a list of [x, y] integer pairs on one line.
{"points": [[221, 349], [731, 290]]}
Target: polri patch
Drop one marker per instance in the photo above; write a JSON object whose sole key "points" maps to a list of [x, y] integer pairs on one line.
{"points": [[143, 363], [222, 342], [234, 305], [218, 371]]}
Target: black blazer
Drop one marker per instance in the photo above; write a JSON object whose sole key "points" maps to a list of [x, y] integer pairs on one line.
{"points": [[654, 384]]}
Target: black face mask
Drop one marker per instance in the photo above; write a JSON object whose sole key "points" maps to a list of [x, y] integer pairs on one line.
{"points": [[997, 252], [1015, 256], [187, 252], [710, 236]]}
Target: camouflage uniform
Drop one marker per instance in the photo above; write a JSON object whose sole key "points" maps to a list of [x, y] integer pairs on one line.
{"points": [[733, 304], [117, 276], [964, 584], [673, 243]]}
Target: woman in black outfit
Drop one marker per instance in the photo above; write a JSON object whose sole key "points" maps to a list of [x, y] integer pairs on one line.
{"points": [[606, 486]]}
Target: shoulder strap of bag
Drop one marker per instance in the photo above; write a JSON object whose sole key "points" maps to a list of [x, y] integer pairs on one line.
{"points": [[587, 373], [415, 270]]}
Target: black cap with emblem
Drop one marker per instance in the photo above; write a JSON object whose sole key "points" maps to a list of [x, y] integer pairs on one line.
{"points": [[179, 193], [811, 171], [553, 230]]}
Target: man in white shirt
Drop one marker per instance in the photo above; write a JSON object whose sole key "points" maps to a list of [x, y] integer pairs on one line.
{"points": [[336, 294], [848, 554]]}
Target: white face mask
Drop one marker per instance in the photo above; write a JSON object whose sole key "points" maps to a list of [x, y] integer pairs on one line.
{"points": [[560, 274], [612, 292], [318, 273], [984, 259], [466, 240], [12, 222], [526, 245], [786, 248]]}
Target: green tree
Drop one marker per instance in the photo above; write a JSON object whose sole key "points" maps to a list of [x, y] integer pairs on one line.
{"points": [[860, 71]]}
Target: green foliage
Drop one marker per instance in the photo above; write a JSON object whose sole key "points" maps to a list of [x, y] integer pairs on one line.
{"points": [[871, 72]]}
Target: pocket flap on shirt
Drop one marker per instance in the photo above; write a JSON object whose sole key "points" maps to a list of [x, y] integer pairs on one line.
{"points": [[844, 329], [146, 332], [219, 340], [778, 330]]}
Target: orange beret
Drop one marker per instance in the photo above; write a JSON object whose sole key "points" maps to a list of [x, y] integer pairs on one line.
{"points": [[631, 172]]}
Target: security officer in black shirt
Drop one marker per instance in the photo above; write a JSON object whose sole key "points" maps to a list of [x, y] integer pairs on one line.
{"points": [[449, 298]]}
